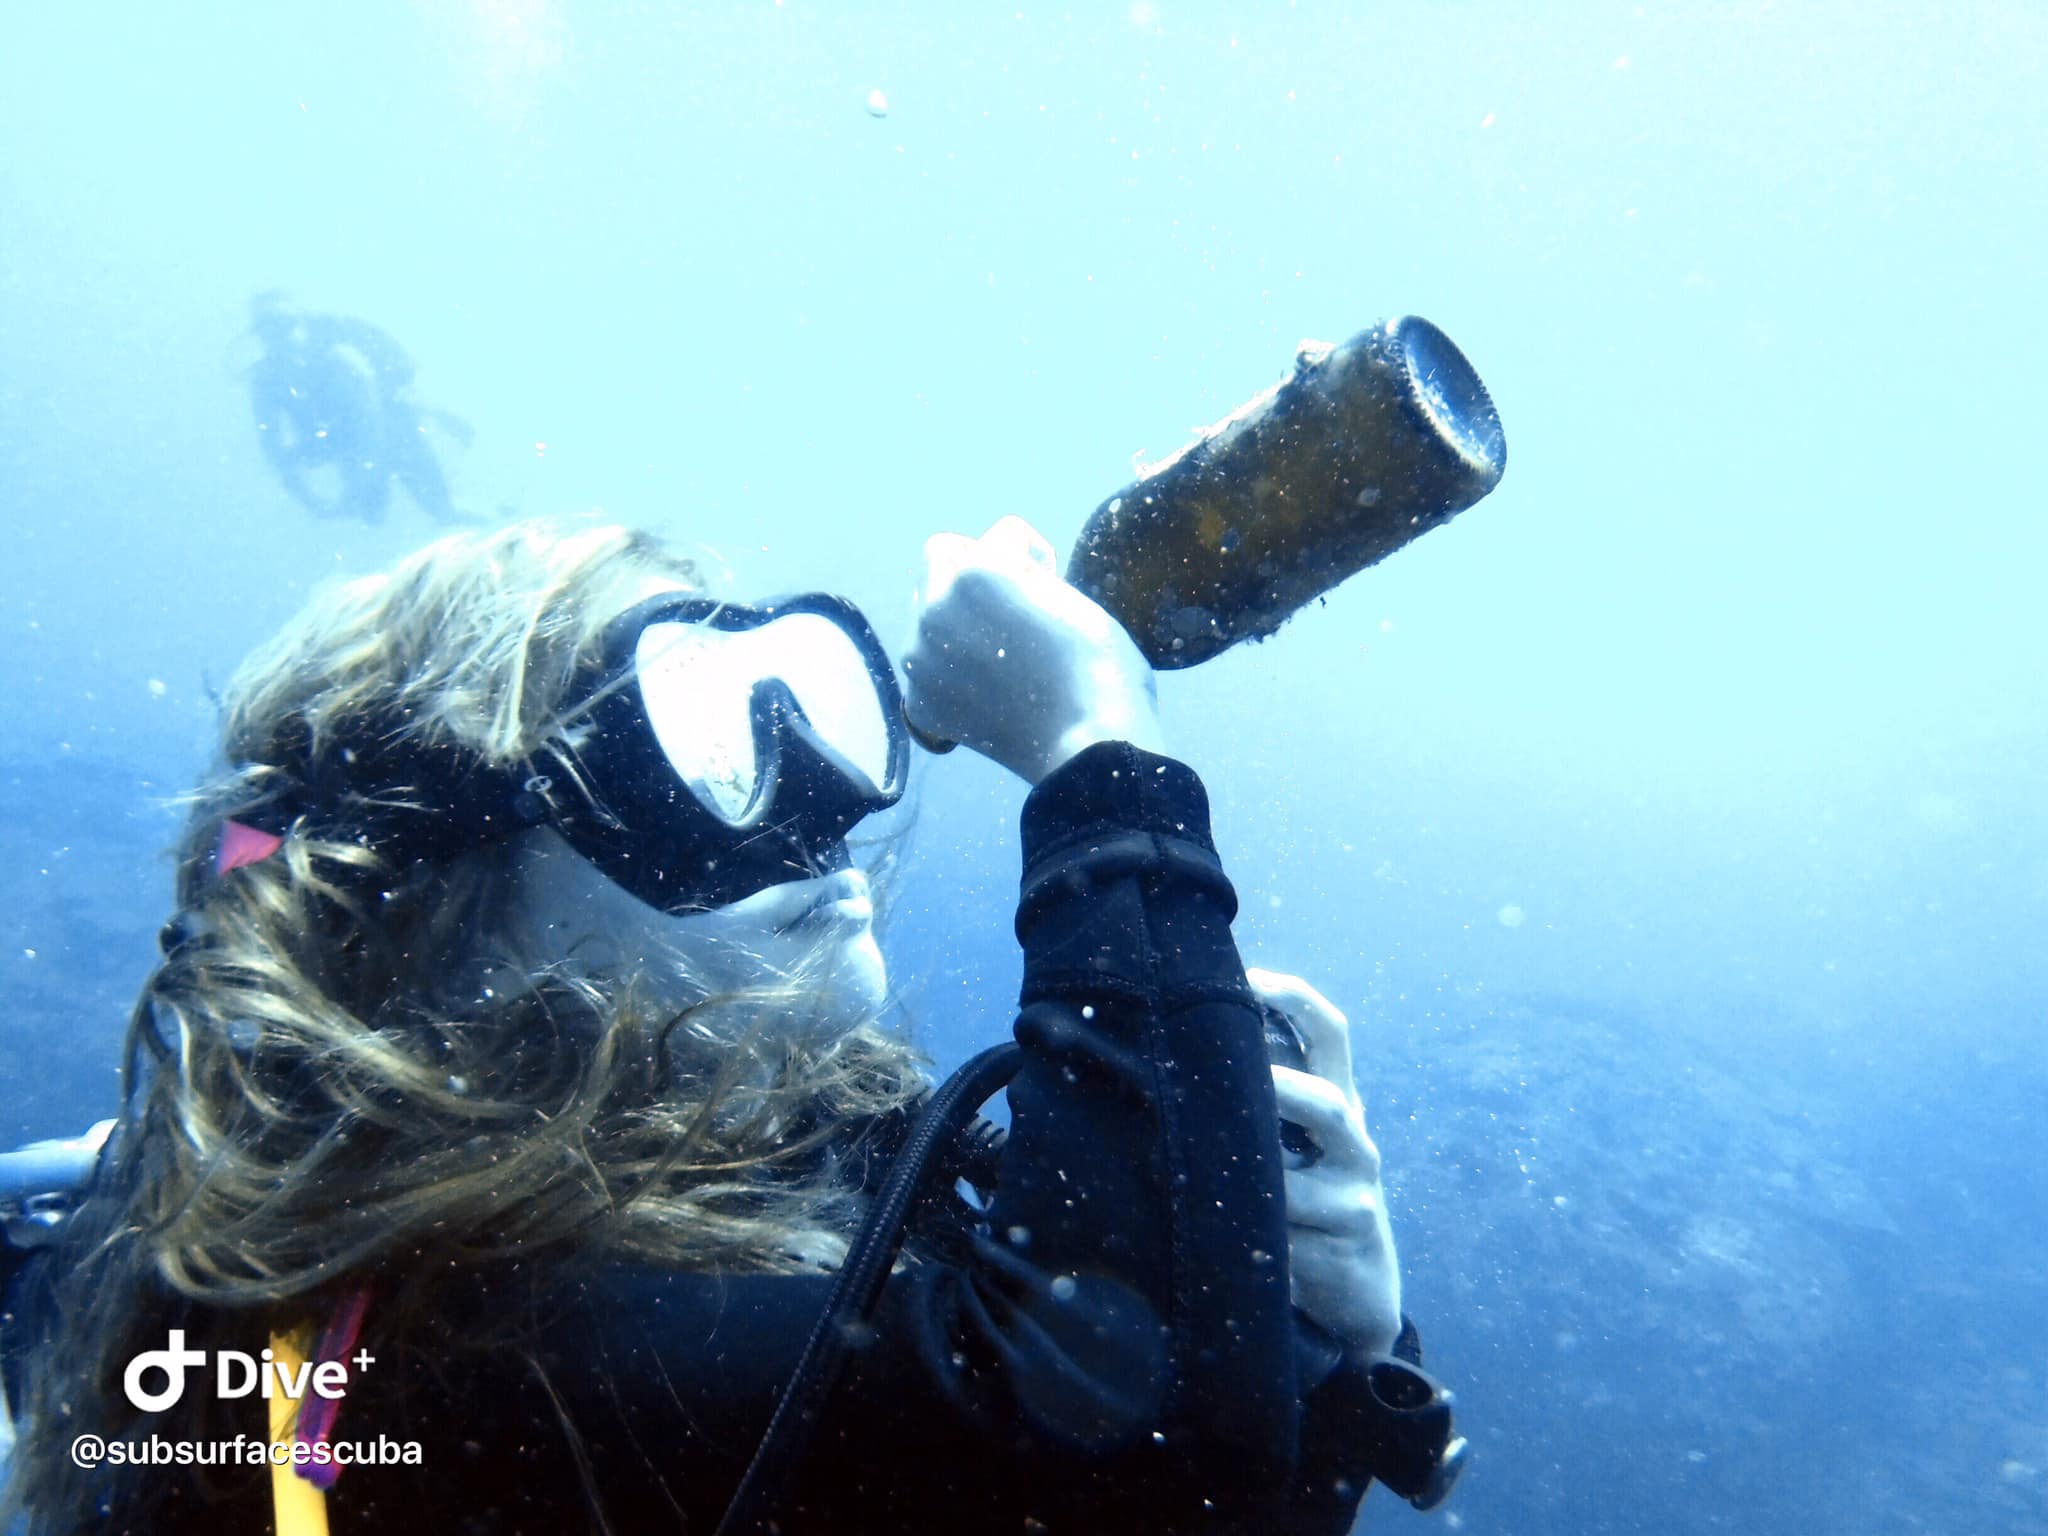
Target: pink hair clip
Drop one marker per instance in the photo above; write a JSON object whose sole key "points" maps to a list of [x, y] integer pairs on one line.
{"points": [[241, 844]]}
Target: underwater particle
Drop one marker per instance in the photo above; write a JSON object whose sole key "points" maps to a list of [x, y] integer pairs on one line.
{"points": [[878, 103], [1511, 916], [1063, 1288], [158, 688]]}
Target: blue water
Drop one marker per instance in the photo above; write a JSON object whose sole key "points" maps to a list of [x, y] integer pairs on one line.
{"points": [[1672, 824]]}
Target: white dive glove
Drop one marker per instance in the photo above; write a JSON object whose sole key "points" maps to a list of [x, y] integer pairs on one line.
{"points": [[1347, 1277], [1012, 662]]}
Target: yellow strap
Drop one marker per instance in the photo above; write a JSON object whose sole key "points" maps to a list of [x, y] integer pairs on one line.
{"points": [[301, 1508]]}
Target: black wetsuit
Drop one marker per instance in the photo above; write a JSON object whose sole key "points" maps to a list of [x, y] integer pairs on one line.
{"points": [[1110, 1346]]}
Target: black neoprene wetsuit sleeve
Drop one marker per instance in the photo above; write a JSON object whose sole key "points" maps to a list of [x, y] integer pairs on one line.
{"points": [[1115, 1349]]}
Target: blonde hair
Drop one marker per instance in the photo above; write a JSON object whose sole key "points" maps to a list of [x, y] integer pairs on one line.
{"points": [[312, 1103]]}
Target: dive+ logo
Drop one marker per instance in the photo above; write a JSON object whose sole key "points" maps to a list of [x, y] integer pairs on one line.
{"points": [[235, 1375]]}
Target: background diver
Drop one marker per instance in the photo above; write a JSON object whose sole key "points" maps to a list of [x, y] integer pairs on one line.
{"points": [[331, 398]]}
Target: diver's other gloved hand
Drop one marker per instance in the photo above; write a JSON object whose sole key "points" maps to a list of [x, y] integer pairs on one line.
{"points": [[1347, 1277], [1011, 661]]}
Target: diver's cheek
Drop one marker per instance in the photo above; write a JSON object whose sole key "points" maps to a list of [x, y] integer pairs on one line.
{"points": [[766, 912]]}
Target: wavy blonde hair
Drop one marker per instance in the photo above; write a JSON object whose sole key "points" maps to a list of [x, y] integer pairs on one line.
{"points": [[311, 1099]]}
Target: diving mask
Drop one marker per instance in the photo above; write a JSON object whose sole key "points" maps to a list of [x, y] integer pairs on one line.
{"points": [[728, 747]]}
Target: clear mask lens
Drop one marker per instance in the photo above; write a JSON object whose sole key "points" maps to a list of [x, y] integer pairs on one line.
{"points": [[698, 686]]}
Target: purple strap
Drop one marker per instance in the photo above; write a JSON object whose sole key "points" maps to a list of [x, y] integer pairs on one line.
{"points": [[316, 1414]]}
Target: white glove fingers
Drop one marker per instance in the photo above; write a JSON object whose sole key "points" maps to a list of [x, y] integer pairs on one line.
{"points": [[1354, 1293], [1325, 1032], [1013, 538], [1326, 1039], [944, 556], [1332, 1120], [1344, 1207], [1010, 661]]}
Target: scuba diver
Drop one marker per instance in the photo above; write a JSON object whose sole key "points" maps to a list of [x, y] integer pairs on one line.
{"points": [[516, 1052], [334, 416]]}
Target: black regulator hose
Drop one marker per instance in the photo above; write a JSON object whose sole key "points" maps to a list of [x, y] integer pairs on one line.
{"points": [[861, 1278]]}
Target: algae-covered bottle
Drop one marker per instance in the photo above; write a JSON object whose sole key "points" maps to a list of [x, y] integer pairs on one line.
{"points": [[1362, 448]]}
